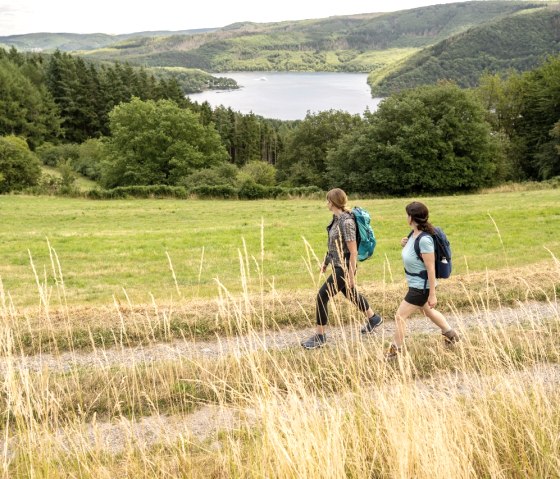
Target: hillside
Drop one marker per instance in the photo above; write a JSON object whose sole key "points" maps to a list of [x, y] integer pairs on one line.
{"points": [[456, 41], [517, 42], [366, 43], [48, 42]]}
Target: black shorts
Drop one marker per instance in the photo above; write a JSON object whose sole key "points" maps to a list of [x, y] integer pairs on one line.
{"points": [[417, 297]]}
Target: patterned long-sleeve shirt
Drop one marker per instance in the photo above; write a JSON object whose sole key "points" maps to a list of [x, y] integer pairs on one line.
{"points": [[341, 229]]}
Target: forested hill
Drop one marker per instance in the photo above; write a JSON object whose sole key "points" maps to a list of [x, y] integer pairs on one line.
{"points": [[366, 43], [517, 42], [455, 41], [38, 42]]}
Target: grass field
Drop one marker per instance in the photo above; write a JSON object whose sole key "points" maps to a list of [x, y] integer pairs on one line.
{"points": [[106, 246], [487, 408]]}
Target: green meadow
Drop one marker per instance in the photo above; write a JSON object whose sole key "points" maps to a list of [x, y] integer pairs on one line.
{"points": [[179, 248], [489, 405]]}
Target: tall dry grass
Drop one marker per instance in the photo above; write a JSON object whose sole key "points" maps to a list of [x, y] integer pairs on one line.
{"points": [[487, 408], [55, 327]]}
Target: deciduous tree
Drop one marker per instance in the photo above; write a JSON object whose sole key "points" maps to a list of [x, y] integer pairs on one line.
{"points": [[304, 157], [428, 139], [19, 167], [158, 143]]}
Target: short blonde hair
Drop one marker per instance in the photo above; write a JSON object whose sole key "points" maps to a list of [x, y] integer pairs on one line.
{"points": [[338, 198]]}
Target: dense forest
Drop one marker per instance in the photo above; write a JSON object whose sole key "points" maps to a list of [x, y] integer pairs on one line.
{"points": [[134, 133], [66, 111], [516, 42]]}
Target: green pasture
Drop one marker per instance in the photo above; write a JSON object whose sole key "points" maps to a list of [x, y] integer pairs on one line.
{"points": [[108, 247]]}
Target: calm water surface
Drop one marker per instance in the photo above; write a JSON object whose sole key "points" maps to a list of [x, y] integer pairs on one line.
{"points": [[289, 96]]}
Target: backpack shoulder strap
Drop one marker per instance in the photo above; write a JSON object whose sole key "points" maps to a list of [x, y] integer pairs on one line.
{"points": [[417, 244]]}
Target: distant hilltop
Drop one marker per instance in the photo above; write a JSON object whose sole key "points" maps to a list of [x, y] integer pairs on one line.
{"points": [[456, 41]]}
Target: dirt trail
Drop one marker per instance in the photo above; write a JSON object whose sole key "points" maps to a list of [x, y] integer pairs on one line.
{"points": [[203, 425], [270, 340]]}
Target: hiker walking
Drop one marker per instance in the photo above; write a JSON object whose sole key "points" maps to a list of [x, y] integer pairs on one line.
{"points": [[420, 273], [342, 255]]}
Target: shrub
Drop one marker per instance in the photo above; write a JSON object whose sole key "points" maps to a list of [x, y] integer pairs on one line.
{"points": [[47, 185], [219, 175], [19, 167], [215, 191], [258, 172], [144, 191], [52, 155], [304, 191], [91, 155], [250, 190]]}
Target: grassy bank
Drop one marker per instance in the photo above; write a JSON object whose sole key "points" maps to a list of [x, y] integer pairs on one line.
{"points": [[174, 249]]}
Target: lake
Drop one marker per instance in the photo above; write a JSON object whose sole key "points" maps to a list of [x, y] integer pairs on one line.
{"points": [[289, 96]]}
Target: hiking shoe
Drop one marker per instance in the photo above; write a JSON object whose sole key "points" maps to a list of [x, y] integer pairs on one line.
{"points": [[372, 323], [393, 353], [450, 337], [315, 341]]}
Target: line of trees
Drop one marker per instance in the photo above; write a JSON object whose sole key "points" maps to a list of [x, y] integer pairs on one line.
{"points": [[124, 128], [524, 109], [67, 111]]}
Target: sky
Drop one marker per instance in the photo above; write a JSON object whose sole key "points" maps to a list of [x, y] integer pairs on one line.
{"points": [[117, 16]]}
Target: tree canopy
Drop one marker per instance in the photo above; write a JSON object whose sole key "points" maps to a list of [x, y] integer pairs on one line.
{"points": [[303, 160], [157, 142], [26, 109], [428, 139], [19, 167], [525, 108]]}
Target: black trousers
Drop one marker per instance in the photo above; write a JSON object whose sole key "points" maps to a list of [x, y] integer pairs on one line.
{"points": [[334, 284]]}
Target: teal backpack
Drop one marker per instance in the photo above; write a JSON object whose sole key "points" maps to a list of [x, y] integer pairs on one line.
{"points": [[364, 233]]}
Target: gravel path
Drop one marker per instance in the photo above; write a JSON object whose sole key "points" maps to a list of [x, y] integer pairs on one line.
{"points": [[203, 425], [271, 340]]}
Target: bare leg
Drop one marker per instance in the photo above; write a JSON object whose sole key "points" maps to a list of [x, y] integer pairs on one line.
{"points": [[404, 311], [437, 318]]}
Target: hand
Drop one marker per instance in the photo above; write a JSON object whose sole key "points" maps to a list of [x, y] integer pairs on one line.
{"points": [[323, 268], [432, 300], [404, 241]]}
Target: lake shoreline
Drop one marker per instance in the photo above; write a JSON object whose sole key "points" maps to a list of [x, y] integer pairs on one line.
{"points": [[292, 95]]}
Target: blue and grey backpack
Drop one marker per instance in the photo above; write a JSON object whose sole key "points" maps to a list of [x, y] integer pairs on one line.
{"points": [[442, 251], [365, 237]]}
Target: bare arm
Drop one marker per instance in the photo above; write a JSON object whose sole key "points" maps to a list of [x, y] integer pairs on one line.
{"points": [[353, 248], [430, 263]]}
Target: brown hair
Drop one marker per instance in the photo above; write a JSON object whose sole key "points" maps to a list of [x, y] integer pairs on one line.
{"points": [[338, 198], [420, 214]]}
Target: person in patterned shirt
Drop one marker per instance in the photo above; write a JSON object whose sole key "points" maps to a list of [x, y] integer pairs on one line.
{"points": [[342, 254]]}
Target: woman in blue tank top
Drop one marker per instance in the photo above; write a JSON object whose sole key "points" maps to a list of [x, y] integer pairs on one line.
{"points": [[421, 293]]}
